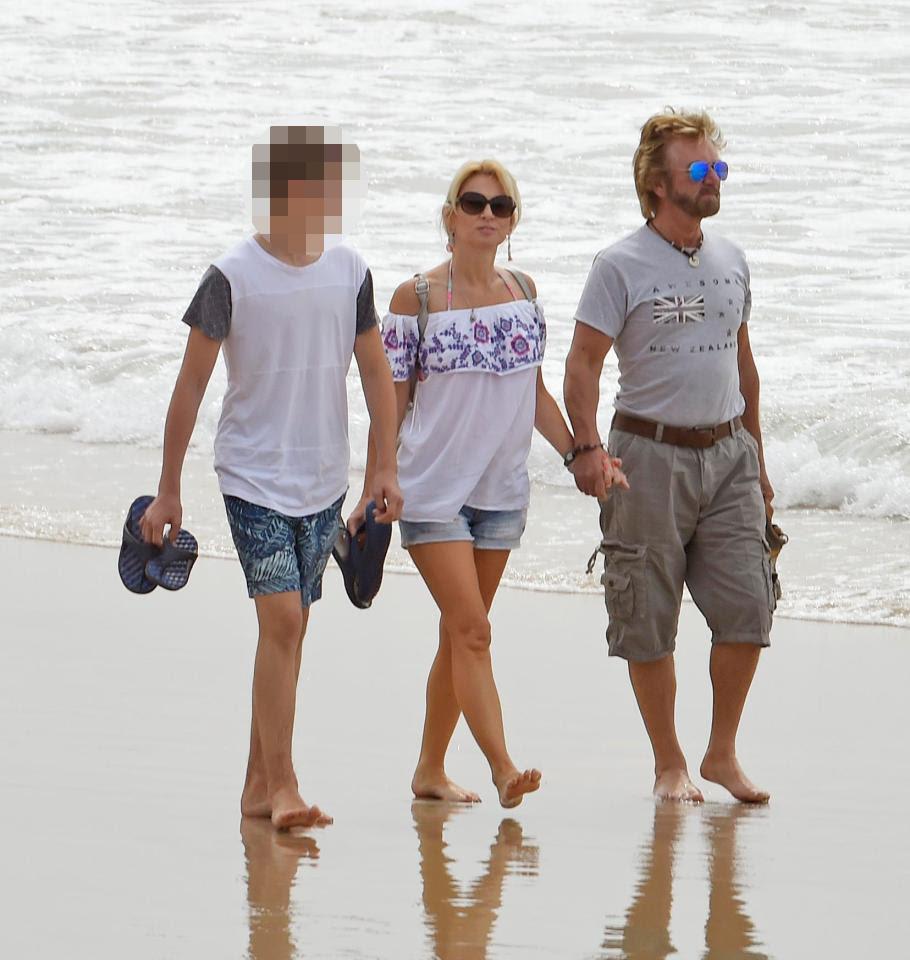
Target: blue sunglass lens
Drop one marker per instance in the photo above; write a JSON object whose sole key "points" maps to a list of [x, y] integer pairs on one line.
{"points": [[699, 170], [721, 169]]}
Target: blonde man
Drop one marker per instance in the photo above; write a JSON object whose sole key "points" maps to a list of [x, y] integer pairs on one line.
{"points": [[675, 302]]}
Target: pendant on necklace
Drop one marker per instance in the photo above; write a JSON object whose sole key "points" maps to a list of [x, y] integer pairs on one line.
{"points": [[693, 259]]}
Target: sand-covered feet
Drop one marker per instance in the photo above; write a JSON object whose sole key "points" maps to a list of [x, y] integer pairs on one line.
{"points": [[513, 786], [289, 810], [729, 774], [430, 785], [674, 786]]}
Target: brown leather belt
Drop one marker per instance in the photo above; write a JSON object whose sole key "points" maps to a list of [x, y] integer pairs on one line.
{"points": [[699, 437]]}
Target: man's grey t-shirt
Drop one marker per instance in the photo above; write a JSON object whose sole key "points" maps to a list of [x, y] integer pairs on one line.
{"points": [[674, 326]]}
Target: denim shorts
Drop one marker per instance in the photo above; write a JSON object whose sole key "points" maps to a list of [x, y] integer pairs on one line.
{"points": [[281, 554], [488, 529]]}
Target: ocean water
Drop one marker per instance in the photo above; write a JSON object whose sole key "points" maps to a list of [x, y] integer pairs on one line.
{"points": [[126, 170]]}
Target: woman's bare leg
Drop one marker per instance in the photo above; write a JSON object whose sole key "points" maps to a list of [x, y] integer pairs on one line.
{"points": [[453, 574], [430, 779]]}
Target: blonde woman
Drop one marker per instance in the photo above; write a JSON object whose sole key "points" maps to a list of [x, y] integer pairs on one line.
{"points": [[470, 393]]}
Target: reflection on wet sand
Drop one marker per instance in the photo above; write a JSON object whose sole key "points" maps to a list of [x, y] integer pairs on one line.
{"points": [[272, 858], [729, 931], [461, 921]]}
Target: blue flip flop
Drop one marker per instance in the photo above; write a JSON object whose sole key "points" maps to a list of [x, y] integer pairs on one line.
{"points": [[170, 567], [135, 552], [361, 557]]}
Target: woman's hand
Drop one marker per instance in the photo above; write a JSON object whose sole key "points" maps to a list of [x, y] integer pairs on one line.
{"points": [[613, 475]]}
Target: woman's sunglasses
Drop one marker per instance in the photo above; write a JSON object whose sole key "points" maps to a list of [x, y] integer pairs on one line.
{"points": [[474, 204], [699, 170]]}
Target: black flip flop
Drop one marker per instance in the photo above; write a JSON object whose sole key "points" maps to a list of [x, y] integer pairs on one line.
{"points": [[135, 552], [361, 557], [170, 568]]}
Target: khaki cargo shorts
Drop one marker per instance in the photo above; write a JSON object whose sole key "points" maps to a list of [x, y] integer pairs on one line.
{"points": [[690, 516]]}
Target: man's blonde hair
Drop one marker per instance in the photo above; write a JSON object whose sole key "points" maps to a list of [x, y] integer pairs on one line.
{"points": [[649, 162], [467, 170]]}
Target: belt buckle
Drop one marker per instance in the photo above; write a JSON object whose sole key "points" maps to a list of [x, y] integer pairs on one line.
{"points": [[704, 437]]}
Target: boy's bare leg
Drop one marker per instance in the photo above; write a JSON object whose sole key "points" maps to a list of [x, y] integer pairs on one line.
{"points": [[254, 801], [732, 669], [430, 780], [451, 574], [282, 621], [654, 684]]}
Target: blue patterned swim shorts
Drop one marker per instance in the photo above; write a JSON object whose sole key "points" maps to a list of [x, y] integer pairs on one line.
{"points": [[280, 554]]}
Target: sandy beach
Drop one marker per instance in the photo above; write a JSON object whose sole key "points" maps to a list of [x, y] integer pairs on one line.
{"points": [[126, 722]]}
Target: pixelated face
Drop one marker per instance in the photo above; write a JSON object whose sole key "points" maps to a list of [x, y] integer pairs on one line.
{"points": [[698, 199], [298, 179], [484, 228]]}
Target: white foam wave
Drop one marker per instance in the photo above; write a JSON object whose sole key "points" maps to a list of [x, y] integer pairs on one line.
{"points": [[806, 476]]}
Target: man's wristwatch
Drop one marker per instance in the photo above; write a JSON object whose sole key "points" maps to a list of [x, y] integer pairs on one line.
{"points": [[571, 456]]}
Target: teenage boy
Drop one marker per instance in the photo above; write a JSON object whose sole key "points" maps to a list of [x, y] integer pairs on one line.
{"points": [[288, 311]]}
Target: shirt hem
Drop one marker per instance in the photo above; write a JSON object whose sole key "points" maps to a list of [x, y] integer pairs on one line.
{"points": [[230, 489]]}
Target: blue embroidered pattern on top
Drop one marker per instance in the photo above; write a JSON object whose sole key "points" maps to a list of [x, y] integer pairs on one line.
{"points": [[499, 343]]}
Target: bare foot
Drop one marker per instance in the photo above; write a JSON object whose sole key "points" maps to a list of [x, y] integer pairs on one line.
{"points": [[675, 786], [254, 801], [289, 810], [729, 774], [429, 786], [513, 786]]}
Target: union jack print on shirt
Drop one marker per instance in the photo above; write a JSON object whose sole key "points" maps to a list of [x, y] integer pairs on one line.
{"points": [[679, 309]]}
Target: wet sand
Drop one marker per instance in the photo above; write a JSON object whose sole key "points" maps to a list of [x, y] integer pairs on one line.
{"points": [[125, 724]]}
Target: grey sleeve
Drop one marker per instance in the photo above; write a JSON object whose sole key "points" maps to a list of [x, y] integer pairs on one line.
{"points": [[367, 317], [210, 308], [604, 300]]}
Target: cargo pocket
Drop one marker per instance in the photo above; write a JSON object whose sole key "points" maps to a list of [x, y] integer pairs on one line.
{"points": [[772, 581], [623, 579]]}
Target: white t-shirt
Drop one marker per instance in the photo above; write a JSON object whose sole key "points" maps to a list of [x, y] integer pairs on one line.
{"points": [[466, 439], [282, 439]]}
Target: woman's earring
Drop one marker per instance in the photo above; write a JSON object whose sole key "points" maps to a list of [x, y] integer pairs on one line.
{"points": [[451, 242], [509, 245]]}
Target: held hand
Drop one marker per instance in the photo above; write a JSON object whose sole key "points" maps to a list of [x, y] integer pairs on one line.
{"points": [[387, 495], [590, 477], [163, 510], [613, 475], [767, 492]]}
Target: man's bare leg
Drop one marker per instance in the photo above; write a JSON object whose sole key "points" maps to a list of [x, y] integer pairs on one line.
{"points": [[281, 625], [430, 779], [654, 684], [450, 571], [732, 668]]}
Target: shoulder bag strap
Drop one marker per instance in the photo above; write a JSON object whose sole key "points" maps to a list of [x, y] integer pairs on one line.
{"points": [[422, 289], [522, 282]]}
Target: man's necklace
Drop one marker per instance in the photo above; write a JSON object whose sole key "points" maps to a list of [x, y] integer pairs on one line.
{"points": [[690, 252]]}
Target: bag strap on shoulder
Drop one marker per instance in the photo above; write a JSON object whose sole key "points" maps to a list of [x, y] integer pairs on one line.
{"points": [[422, 289], [522, 281]]}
